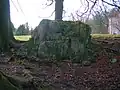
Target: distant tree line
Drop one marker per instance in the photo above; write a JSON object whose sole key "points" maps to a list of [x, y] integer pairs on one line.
{"points": [[23, 29], [99, 22]]}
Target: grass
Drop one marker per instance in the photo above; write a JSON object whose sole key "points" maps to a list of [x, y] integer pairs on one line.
{"points": [[23, 37], [104, 36]]}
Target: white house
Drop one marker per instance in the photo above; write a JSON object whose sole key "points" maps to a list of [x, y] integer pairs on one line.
{"points": [[114, 22]]}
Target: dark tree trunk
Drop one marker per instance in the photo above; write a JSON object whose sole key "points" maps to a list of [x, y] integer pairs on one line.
{"points": [[6, 34], [4, 24], [58, 9]]}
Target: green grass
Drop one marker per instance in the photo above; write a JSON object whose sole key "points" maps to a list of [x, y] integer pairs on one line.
{"points": [[23, 37], [104, 36]]}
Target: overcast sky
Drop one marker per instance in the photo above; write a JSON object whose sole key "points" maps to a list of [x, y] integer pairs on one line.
{"points": [[34, 11]]}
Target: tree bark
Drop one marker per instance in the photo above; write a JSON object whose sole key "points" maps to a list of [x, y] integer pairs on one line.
{"points": [[6, 33], [58, 9], [4, 24]]}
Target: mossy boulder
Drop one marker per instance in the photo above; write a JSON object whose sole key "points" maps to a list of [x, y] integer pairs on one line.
{"points": [[62, 39]]}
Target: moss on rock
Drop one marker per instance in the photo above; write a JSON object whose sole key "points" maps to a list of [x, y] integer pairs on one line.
{"points": [[63, 39]]}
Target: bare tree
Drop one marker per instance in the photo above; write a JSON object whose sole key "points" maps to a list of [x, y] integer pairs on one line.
{"points": [[6, 32], [95, 5], [58, 8], [4, 24]]}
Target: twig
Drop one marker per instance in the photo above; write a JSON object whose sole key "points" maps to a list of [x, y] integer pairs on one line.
{"points": [[111, 4], [48, 16]]}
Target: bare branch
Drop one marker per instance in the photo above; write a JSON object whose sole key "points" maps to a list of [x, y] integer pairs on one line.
{"points": [[64, 12], [86, 10], [47, 5], [73, 18], [14, 5], [52, 1], [111, 4], [48, 16], [94, 3]]}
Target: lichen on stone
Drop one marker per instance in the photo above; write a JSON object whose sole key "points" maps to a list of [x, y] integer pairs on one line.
{"points": [[62, 39]]}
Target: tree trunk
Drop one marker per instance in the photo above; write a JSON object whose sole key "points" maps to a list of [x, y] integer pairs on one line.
{"points": [[58, 9], [6, 34], [4, 24]]}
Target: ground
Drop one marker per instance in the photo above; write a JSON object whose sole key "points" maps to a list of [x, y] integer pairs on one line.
{"points": [[104, 74]]}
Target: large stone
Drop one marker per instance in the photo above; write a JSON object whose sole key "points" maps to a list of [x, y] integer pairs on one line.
{"points": [[62, 39]]}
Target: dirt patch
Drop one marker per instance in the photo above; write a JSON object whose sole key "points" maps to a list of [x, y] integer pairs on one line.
{"points": [[104, 74], [99, 76]]}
